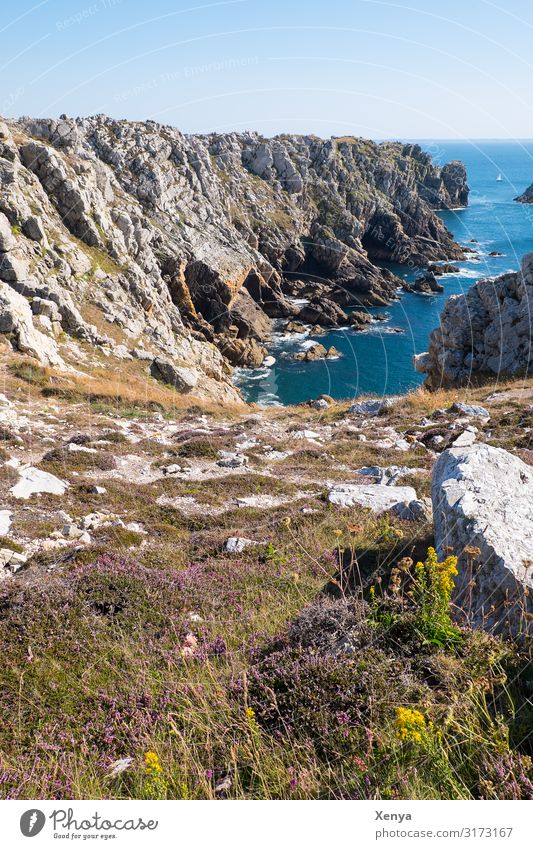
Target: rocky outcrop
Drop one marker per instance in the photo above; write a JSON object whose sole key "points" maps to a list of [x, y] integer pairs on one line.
{"points": [[316, 352], [527, 196], [486, 331], [16, 321], [483, 513], [77, 266], [426, 284]]}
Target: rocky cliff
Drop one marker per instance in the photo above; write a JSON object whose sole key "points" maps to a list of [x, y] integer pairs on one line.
{"points": [[486, 331], [175, 249]]}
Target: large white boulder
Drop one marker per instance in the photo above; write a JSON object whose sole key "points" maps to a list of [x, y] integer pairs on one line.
{"points": [[483, 498]]}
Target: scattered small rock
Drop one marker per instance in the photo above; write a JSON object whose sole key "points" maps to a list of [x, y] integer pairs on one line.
{"points": [[236, 545], [474, 411], [232, 461], [371, 407]]}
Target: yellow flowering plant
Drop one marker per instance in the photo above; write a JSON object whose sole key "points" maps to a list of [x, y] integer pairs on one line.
{"points": [[154, 783], [410, 725], [433, 587]]}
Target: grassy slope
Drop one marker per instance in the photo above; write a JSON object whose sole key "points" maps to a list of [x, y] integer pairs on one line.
{"points": [[228, 667]]}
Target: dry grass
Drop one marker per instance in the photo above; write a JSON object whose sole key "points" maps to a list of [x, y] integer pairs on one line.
{"points": [[126, 391]]}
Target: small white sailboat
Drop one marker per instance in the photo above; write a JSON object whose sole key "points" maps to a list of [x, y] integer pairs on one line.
{"points": [[499, 178]]}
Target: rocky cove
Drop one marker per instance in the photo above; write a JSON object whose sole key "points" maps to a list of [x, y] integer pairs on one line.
{"points": [[377, 357]]}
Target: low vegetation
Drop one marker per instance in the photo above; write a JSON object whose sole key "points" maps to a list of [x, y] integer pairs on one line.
{"points": [[326, 660], [243, 677]]}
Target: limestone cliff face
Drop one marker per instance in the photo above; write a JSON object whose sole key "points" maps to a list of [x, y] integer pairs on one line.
{"points": [[189, 245], [486, 331]]}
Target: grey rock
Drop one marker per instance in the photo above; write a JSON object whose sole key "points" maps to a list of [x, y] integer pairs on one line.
{"points": [[11, 560], [172, 469], [42, 306], [377, 497], [467, 437], [33, 228], [232, 461], [387, 475], [34, 481], [12, 269], [418, 510], [5, 522], [483, 498], [182, 379], [527, 196], [371, 407], [71, 531], [304, 434], [16, 320], [472, 411]]}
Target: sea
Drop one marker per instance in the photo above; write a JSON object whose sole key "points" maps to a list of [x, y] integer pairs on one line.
{"points": [[378, 361]]}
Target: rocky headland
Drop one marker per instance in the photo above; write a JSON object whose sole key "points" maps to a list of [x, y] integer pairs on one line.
{"points": [[135, 240]]}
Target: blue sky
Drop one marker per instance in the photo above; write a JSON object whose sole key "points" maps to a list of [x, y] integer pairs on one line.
{"points": [[413, 69]]}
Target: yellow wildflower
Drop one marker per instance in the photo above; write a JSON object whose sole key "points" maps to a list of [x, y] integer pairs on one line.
{"points": [[249, 713], [151, 764], [410, 725]]}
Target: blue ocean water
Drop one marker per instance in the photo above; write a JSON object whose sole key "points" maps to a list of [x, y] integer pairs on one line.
{"points": [[379, 361]]}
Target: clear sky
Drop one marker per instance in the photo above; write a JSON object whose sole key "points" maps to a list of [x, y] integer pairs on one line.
{"points": [[413, 69]]}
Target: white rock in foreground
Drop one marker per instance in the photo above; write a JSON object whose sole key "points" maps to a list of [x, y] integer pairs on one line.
{"points": [[34, 481], [378, 497], [483, 497], [236, 545]]}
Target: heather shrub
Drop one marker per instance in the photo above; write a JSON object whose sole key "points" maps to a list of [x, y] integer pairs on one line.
{"points": [[61, 460], [391, 713]]}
